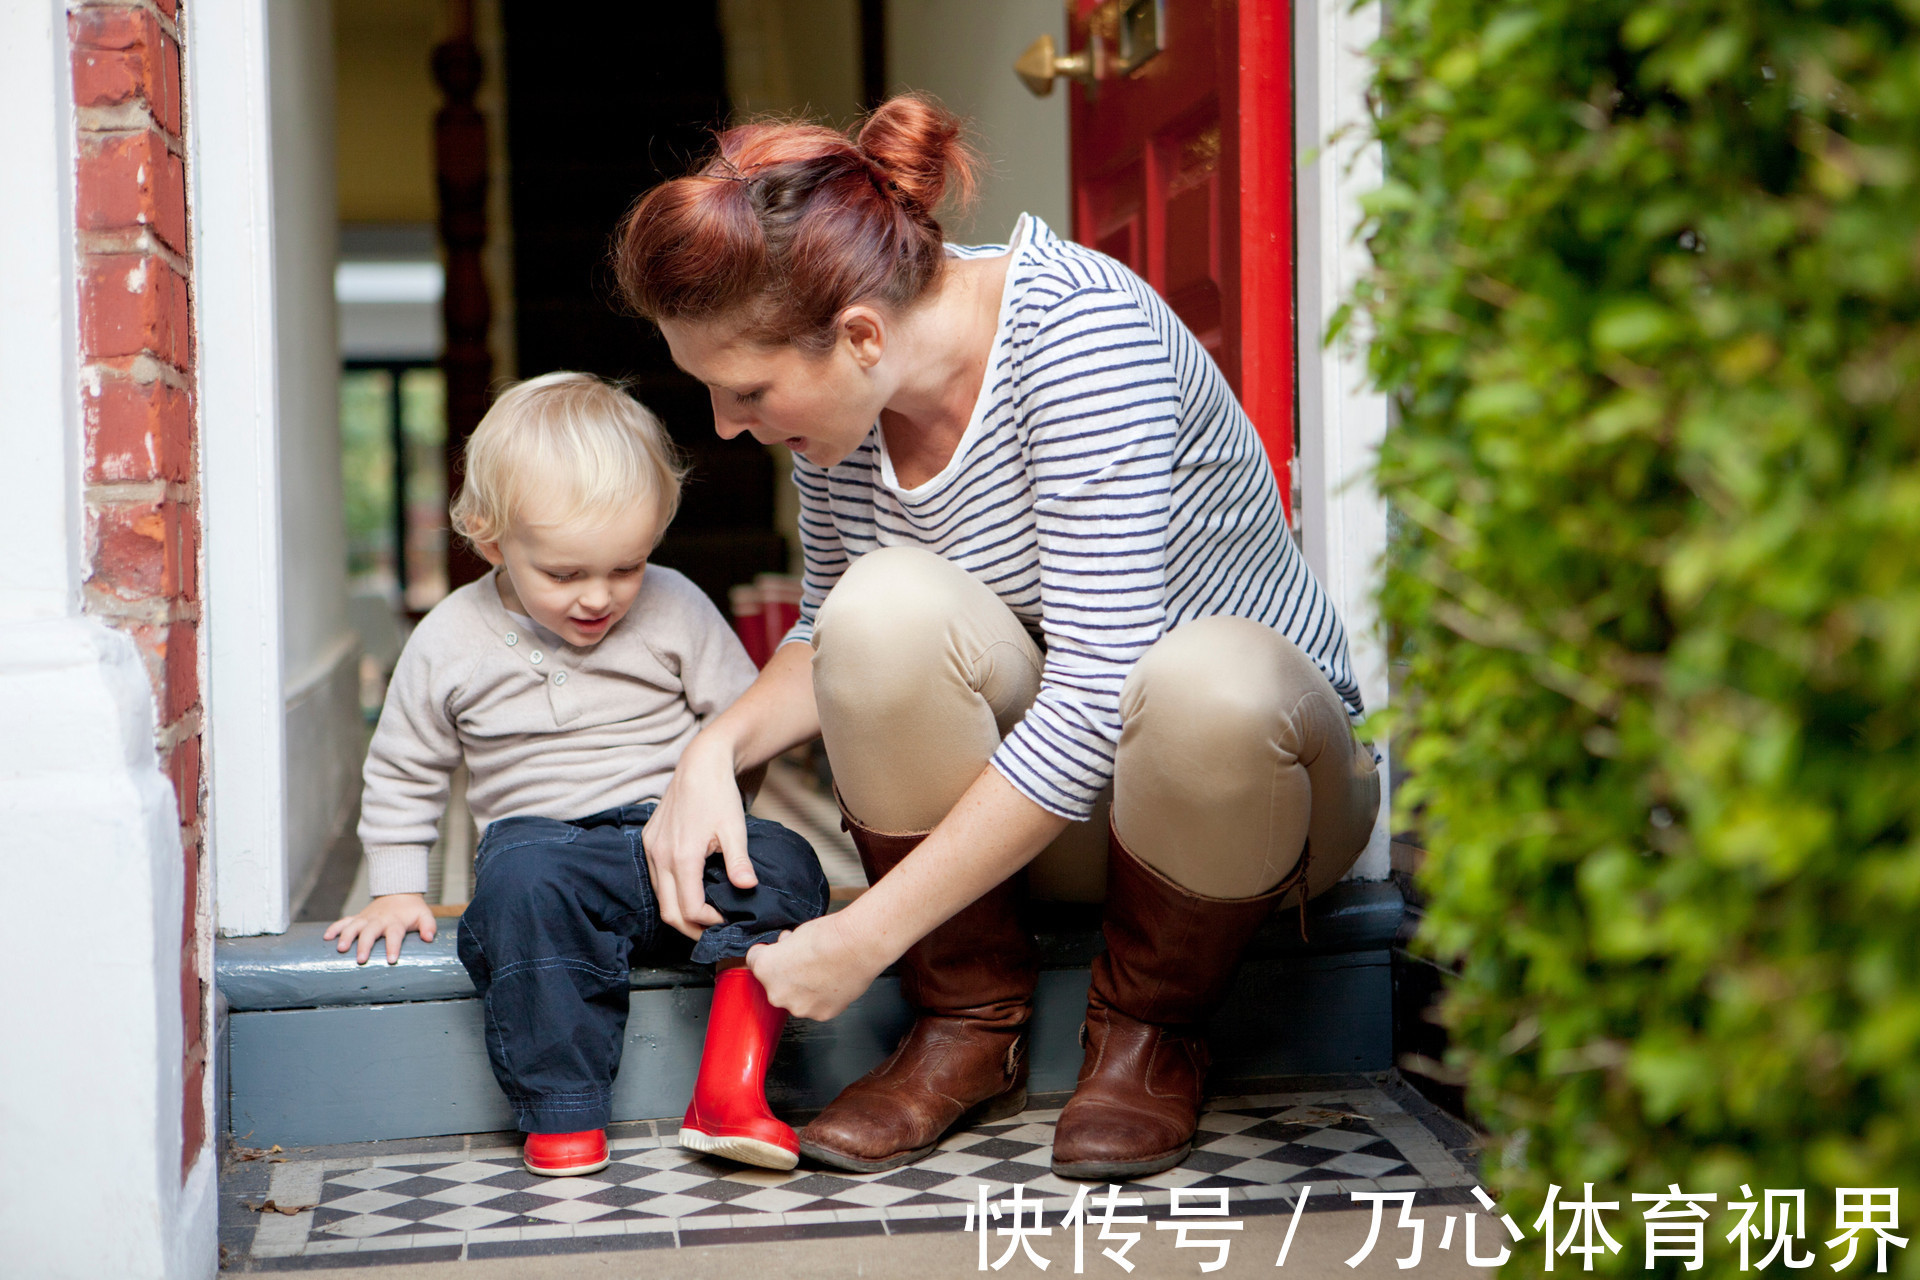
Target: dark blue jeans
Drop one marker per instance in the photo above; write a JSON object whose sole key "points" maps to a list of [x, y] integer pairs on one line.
{"points": [[562, 910]]}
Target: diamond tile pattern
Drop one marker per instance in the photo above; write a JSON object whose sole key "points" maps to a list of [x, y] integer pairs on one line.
{"points": [[1259, 1148]]}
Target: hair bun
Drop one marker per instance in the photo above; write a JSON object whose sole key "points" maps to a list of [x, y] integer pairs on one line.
{"points": [[920, 146], [789, 223]]}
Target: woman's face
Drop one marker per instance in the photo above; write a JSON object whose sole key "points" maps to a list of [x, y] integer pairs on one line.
{"points": [[819, 406]]}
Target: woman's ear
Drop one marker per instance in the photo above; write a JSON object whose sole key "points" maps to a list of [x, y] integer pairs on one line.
{"points": [[864, 330]]}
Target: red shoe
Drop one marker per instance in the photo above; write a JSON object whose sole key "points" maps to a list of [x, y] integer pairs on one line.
{"points": [[729, 1115], [566, 1155]]}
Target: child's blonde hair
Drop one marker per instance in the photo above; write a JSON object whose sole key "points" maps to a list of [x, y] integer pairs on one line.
{"points": [[583, 444]]}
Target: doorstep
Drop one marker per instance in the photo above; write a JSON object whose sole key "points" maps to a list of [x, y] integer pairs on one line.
{"points": [[319, 1050]]}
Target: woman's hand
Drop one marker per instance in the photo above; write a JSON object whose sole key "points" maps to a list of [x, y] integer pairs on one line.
{"points": [[700, 812], [814, 971], [388, 916], [819, 969]]}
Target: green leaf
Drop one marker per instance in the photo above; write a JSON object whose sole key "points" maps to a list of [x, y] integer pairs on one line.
{"points": [[1632, 323]]}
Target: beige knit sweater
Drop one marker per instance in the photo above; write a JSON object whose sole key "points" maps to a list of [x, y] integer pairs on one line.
{"points": [[547, 730]]}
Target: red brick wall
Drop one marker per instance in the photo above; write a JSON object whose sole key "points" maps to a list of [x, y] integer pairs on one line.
{"points": [[137, 390]]}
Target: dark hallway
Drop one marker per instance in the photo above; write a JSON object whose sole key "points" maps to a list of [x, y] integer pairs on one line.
{"points": [[593, 123]]}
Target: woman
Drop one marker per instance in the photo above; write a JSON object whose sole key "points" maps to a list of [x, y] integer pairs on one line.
{"points": [[1046, 563]]}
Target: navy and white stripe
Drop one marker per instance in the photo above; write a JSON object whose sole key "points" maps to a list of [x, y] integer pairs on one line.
{"points": [[1108, 488]]}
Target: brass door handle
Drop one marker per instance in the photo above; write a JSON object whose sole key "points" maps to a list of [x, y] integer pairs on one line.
{"points": [[1038, 66]]}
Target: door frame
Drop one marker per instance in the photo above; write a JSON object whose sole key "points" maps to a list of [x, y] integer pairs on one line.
{"points": [[238, 343], [1343, 417]]}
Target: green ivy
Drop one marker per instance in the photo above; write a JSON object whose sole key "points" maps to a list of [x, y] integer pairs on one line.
{"points": [[1647, 300]]}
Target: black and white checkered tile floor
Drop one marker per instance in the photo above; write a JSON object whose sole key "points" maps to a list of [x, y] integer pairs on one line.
{"points": [[477, 1201]]}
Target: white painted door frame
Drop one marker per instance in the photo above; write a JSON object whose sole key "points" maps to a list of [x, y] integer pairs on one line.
{"points": [[230, 163], [1342, 418]]}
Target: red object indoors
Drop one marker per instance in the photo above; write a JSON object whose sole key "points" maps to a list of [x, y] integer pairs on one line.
{"points": [[729, 1115], [764, 610], [749, 622], [1183, 169], [779, 605]]}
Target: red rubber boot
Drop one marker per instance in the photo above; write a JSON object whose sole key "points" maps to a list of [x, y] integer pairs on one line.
{"points": [[566, 1155], [729, 1115]]}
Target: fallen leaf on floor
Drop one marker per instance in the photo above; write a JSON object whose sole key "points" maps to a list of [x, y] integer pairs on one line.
{"points": [[247, 1153], [268, 1206], [1322, 1115], [274, 1150]]}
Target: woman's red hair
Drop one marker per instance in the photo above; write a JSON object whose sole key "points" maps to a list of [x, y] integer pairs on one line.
{"points": [[789, 223]]}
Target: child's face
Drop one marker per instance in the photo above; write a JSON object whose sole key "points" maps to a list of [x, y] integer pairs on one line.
{"points": [[575, 579]]}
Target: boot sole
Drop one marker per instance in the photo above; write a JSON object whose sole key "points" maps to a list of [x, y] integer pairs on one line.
{"points": [[752, 1151], [995, 1108], [566, 1171], [1116, 1170]]}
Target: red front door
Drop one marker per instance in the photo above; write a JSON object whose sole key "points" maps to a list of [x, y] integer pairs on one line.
{"points": [[1182, 168]]}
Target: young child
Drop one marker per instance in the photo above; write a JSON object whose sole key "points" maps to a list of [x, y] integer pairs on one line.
{"points": [[569, 680]]}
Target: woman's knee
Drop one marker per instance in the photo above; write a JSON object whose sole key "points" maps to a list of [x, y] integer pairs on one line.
{"points": [[1233, 748], [896, 596], [899, 618], [1218, 679], [1212, 716], [884, 621]]}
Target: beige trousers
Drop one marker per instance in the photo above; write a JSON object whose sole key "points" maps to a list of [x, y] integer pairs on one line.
{"points": [[1234, 749]]}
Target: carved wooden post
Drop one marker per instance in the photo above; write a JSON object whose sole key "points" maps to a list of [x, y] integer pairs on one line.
{"points": [[460, 170]]}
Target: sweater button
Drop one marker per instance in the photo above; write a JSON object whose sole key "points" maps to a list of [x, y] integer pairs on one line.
{"points": [[559, 677], [512, 638], [536, 657]]}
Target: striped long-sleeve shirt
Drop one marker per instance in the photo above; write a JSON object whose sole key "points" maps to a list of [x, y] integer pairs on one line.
{"points": [[1107, 488]]}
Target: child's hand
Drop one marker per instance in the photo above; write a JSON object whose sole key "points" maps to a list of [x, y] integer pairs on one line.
{"points": [[389, 916], [699, 814]]}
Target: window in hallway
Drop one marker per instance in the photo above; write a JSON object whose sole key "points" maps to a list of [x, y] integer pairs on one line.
{"points": [[392, 437]]}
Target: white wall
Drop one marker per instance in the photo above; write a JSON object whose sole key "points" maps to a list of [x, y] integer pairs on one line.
{"points": [[230, 150], [962, 52], [282, 700], [90, 1062], [320, 649]]}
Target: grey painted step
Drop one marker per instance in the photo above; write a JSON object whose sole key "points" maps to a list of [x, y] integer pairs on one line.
{"points": [[297, 970], [322, 1051], [353, 1073]]}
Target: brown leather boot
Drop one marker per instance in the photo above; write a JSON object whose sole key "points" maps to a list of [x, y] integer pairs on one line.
{"points": [[970, 983], [1169, 957]]}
